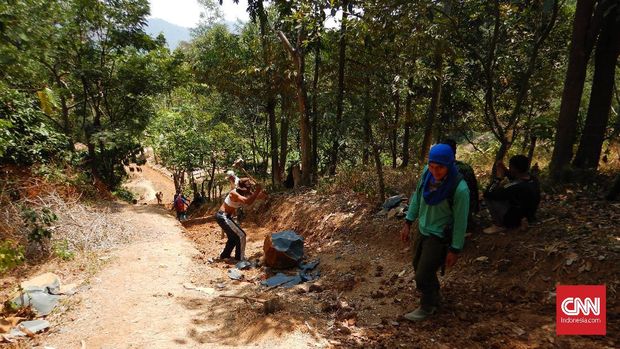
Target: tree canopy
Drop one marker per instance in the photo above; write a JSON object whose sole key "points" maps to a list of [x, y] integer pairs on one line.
{"points": [[384, 82]]}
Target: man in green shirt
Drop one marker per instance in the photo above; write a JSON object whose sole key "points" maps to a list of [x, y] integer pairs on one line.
{"points": [[440, 204]]}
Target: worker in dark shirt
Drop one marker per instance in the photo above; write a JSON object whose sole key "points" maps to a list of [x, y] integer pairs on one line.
{"points": [[515, 201]]}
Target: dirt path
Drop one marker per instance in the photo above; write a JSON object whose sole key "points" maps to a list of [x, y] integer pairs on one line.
{"points": [[142, 299]]}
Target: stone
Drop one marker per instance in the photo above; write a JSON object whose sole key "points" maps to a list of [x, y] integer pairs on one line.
{"points": [[42, 302], [235, 274], [283, 250], [30, 327], [316, 287], [397, 212], [302, 288], [277, 280], [344, 330], [309, 266], [243, 265], [48, 281]]}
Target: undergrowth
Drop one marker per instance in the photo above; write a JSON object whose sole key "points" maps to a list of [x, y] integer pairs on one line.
{"points": [[28, 215]]}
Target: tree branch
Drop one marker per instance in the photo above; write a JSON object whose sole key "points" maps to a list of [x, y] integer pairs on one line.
{"points": [[286, 43]]}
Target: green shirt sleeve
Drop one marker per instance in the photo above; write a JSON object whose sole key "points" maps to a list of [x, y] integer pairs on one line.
{"points": [[460, 212], [414, 203]]}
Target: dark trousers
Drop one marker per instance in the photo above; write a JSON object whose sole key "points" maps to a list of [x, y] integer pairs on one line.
{"points": [[236, 236], [428, 258], [497, 210]]}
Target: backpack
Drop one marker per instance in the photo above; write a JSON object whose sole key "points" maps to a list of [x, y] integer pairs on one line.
{"points": [[179, 204], [472, 183]]}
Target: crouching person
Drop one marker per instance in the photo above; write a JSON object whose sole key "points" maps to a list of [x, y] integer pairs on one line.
{"points": [[236, 237], [514, 203], [440, 204]]}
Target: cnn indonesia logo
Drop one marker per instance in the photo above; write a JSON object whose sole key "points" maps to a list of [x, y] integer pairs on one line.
{"points": [[580, 310]]}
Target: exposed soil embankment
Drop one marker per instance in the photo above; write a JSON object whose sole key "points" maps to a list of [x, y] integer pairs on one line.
{"points": [[501, 293]]}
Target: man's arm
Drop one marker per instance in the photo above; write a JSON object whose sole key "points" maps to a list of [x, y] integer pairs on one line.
{"points": [[246, 200]]}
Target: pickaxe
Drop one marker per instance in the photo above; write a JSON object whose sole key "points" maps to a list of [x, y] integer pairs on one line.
{"points": [[239, 164]]}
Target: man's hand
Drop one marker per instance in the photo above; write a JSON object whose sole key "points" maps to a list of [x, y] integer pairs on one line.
{"points": [[451, 259], [404, 233]]}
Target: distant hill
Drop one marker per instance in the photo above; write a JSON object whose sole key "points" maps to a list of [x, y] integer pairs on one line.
{"points": [[174, 34]]}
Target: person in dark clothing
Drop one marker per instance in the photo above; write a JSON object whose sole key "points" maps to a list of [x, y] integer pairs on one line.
{"points": [[514, 202]]}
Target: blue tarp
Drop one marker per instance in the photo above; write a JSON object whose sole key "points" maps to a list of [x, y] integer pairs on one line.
{"points": [[393, 201]]}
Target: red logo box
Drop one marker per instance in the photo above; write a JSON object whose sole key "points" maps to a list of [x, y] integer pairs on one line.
{"points": [[581, 310]]}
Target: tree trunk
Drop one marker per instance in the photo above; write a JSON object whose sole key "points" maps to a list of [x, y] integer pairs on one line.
{"points": [[408, 123], [270, 106], [395, 128], [433, 108], [212, 179], [379, 168], [366, 122], [298, 56], [340, 95], [284, 123], [273, 135], [501, 154], [580, 50], [593, 135], [532, 147], [315, 112]]}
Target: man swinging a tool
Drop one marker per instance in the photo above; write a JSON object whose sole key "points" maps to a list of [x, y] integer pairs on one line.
{"points": [[241, 195]]}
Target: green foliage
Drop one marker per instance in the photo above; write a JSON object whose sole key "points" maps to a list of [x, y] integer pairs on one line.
{"points": [[62, 250], [10, 255], [25, 135], [124, 194], [189, 137], [39, 222]]}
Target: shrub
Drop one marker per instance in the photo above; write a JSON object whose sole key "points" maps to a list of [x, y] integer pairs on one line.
{"points": [[124, 195], [62, 250], [25, 137], [39, 222], [11, 255]]}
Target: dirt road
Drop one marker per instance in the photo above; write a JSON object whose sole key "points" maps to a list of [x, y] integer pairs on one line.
{"points": [[144, 297]]}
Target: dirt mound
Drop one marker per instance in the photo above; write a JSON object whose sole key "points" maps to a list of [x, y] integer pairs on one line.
{"points": [[501, 293]]}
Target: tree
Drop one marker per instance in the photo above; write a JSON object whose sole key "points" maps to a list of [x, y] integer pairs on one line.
{"points": [[586, 27], [606, 57], [342, 47], [298, 55], [72, 53], [504, 50]]}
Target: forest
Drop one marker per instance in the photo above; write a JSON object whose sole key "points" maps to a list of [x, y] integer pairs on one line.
{"points": [[532, 77]]}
